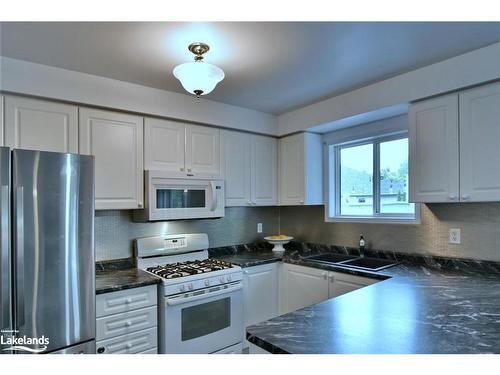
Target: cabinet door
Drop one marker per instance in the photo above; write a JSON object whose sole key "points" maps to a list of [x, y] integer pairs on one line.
{"points": [[235, 155], [260, 290], [341, 283], [40, 125], [264, 184], [291, 165], [2, 129], [433, 143], [164, 143], [115, 139], [202, 151], [303, 286], [479, 144]]}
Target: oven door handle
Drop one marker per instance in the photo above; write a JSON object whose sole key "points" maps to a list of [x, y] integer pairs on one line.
{"points": [[181, 301]]}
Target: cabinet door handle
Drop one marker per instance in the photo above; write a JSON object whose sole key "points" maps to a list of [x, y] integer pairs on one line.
{"points": [[182, 169], [331, 278], [465, 197], [324, 275], [189, 169], [249, 203], [452, 197], [301, 202]]}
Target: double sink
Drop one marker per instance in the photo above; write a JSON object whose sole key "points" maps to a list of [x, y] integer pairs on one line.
{"points": [[353, 261]]}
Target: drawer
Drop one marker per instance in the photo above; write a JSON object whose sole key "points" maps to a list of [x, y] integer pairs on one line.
{"points": [[131, 343], [126, 300], [124, 323], [150, 351]]}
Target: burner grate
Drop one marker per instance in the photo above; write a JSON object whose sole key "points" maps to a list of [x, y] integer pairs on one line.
{"points": [[175, 270]]}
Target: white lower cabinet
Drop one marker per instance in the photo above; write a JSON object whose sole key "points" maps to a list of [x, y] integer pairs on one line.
{"points": [[260, 293], [127, 321], [306, 286]]}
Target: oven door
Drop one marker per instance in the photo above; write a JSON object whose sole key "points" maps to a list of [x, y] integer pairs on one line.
{"points": [[204, 321], [185, 199]]}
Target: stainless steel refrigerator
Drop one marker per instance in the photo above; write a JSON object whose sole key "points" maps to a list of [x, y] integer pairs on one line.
{"points": [[47, 274]]}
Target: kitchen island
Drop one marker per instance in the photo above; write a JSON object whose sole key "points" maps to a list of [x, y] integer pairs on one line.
{"points": [[425, 305]]}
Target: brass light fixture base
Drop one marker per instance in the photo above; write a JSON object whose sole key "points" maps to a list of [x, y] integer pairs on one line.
{"points": [[198, 49]]}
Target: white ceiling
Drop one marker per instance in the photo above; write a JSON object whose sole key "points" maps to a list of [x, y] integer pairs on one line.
{"points": [[272, 67]]}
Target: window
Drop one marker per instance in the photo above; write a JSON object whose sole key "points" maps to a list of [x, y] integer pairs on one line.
{"points": [[369, 181]]}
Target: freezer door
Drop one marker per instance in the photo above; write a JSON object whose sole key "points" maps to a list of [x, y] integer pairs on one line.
{"points": [[5, 255], [53, 241]]}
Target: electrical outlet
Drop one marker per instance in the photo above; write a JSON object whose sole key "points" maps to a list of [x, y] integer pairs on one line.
{"points": [[259, 227], [454, 236]]}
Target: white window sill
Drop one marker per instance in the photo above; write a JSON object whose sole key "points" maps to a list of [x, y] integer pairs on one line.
{"points": [[373, 220]]}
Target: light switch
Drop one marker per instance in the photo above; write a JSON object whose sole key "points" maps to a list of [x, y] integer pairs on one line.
{"points": [[259, 227]]}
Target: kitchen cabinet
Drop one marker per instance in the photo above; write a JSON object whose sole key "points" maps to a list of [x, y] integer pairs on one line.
{"points": [[116, 141], [434, 150], [301, 169], [40, 125], [249, 165], [479, 144], [264, 171], [454, 154], [2, 129], [305, 286], [183, 150], [164, 143], [342, 283], [260, 293], [127, 321]]}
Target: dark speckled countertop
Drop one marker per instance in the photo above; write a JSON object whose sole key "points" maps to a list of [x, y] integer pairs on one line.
{"points": [[424, 305], [119, 275]]}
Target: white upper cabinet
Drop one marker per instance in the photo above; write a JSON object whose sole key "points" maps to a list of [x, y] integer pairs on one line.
{"points": [[164, 145], [479, 144], [301, 169], [182, 150], [202, 151], [236, 165], [116, 141], [249, 167], [433, 146], [40, 125], [264, 169], [2, 129]]}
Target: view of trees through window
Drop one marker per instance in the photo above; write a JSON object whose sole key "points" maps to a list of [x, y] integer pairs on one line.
{"points": [[357, 193]]}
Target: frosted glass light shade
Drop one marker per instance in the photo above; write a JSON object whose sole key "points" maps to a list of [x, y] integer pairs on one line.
{"points": [[198, 76]]}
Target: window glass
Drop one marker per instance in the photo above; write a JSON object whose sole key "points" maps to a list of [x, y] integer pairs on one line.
{"points": [[356, 180], [205, 318], [394, 178], [180, 198]]}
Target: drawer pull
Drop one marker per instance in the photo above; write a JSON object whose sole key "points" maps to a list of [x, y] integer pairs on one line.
{"points": [[128, 324], [100, 350], [129, 345], [128, 300]]}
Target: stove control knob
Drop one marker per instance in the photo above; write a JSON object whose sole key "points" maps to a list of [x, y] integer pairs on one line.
{"points": [[191, 286], [182, 288], [207, 282]]}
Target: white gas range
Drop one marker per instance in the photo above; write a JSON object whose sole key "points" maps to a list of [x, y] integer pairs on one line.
{"points": [[201, 310]]}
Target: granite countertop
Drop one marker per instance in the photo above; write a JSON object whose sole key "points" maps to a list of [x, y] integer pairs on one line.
{"points": [[114, 276], [424, 305]]}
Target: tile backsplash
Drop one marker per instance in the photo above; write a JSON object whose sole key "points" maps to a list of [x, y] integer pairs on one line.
{"points": [[479, 224], [115, 230]]}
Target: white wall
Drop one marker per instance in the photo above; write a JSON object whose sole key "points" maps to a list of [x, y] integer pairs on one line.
{"points": [[471, 68], [28, 78]]}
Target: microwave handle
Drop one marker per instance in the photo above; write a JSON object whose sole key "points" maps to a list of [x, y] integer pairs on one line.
{"points": [[214, 196]]}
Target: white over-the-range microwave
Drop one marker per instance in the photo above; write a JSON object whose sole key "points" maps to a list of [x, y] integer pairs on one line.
{"points": [[174, 198]]}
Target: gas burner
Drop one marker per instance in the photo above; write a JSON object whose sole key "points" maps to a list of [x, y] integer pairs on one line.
{"points": [[182, 269]]}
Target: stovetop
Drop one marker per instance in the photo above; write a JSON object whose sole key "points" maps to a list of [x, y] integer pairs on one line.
{"points": [[189, 268]]}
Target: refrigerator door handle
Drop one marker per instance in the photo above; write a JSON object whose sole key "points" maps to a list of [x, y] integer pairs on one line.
{"points": [[20, 255], [4, 250]]}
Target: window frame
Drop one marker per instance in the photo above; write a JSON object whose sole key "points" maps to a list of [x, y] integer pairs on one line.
{"points": [[333, 183]]}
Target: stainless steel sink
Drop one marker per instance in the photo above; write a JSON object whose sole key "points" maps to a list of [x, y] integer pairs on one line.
{"points": [[372, 264], [332, 258]]}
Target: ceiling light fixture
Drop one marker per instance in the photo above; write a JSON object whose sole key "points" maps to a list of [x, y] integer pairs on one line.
{"points": [[198, 77]]}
